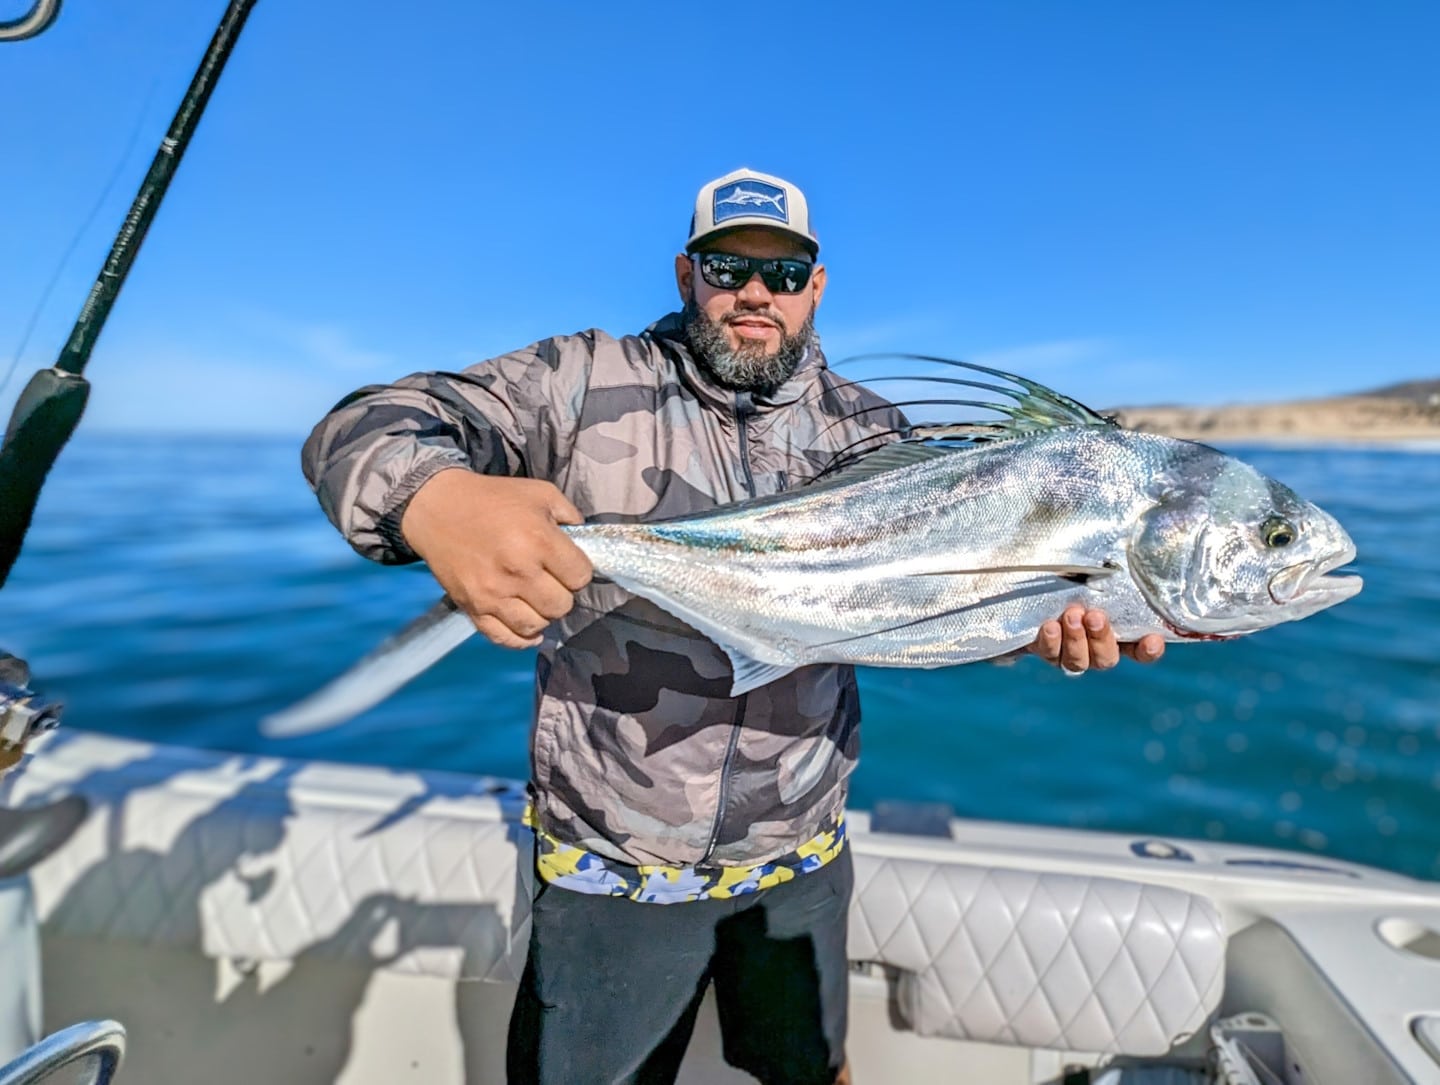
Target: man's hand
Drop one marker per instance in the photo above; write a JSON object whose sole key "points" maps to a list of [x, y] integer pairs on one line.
{"points": [[1083, 639], [495, 547]]}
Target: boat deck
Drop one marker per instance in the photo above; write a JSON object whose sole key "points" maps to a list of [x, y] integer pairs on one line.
{"points": [[261, 919]]}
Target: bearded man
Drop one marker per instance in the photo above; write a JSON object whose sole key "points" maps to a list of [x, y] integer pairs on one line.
{"points": [[682, 837]]}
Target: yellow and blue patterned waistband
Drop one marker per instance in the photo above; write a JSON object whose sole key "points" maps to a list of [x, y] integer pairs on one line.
{"points": [[581, 871]]}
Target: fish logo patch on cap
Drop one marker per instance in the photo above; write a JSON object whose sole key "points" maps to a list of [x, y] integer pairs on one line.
{"points": [[750, 197]]}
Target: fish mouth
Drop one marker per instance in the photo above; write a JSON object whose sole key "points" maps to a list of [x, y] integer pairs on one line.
{"points": [[1313, 583]]}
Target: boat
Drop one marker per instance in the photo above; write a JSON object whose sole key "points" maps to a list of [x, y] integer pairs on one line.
{"points": [[262, 919], [173, 915]]}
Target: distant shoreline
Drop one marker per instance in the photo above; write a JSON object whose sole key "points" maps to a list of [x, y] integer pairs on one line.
{"points": [[1370, 420]]}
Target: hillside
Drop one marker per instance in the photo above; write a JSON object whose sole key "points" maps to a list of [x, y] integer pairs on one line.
{"points": [[1400, 412]]}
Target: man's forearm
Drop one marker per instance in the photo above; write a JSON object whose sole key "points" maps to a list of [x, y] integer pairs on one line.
{"points": [[373, 453]]}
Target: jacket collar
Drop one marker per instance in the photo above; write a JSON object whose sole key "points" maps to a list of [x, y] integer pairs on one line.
{"points": [[669, 332]]}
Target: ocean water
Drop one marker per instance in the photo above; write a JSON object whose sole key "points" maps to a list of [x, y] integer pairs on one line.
{"points": [[177, 590]]}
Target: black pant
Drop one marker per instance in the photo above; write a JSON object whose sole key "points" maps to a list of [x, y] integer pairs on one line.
{"points": [[611, 987]]}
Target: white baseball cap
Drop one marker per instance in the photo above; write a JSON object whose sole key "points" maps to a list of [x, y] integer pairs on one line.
{"points": [[748, 198]]}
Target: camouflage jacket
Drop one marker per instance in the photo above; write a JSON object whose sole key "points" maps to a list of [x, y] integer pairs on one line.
{"points": [[638, 753]]}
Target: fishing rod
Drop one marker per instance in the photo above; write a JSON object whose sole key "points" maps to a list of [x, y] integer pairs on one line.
{"points": [[49, 408]]}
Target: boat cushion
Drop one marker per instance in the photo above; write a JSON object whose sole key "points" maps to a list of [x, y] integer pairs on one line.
{"points": [[258, 858], [1052, 960], [429, 873]]}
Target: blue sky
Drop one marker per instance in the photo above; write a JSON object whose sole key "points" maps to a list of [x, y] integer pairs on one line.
{"points": [[1135, 203]]}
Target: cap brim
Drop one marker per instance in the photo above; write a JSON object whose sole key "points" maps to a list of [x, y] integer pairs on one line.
{"points": [[733, 225]]}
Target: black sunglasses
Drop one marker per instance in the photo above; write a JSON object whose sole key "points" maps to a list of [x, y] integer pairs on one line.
{"points": [[726, 271]]}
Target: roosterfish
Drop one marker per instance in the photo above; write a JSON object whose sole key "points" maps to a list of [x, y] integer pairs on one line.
{"points": [[949, 545]]}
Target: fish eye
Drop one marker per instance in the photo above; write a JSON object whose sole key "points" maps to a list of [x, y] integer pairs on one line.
{"points": [[1277, 532]]}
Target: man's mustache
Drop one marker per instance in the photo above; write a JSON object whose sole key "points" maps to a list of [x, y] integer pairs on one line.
{"points": [[750, 314]]}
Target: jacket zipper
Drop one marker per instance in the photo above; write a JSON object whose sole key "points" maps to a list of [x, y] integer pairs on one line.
{"points": [[725, 778], [744, 408]]}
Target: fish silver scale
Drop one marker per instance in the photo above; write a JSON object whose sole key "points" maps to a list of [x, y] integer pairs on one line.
{"points": [[872, 572], [1167, 536]]}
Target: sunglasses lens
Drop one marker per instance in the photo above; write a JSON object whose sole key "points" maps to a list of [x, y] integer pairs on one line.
{"points": [[785, 276], [726, 271]]}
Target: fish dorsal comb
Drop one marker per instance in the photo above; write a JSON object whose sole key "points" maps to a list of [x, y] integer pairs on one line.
{"points": [[1032, 406], [891, 457]]}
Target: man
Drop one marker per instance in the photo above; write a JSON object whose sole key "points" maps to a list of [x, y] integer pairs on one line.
{"points": [[683, 837]]}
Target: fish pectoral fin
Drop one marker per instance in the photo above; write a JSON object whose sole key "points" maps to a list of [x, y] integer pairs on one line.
{"points": [[1075, 574], [750, 673]]}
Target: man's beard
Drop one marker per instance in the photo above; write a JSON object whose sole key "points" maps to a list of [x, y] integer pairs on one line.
{"points": [[746, 368]]}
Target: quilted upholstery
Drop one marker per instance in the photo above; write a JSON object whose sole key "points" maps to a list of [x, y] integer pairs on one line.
{"points": [[265, 859], [1060, 961]]}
